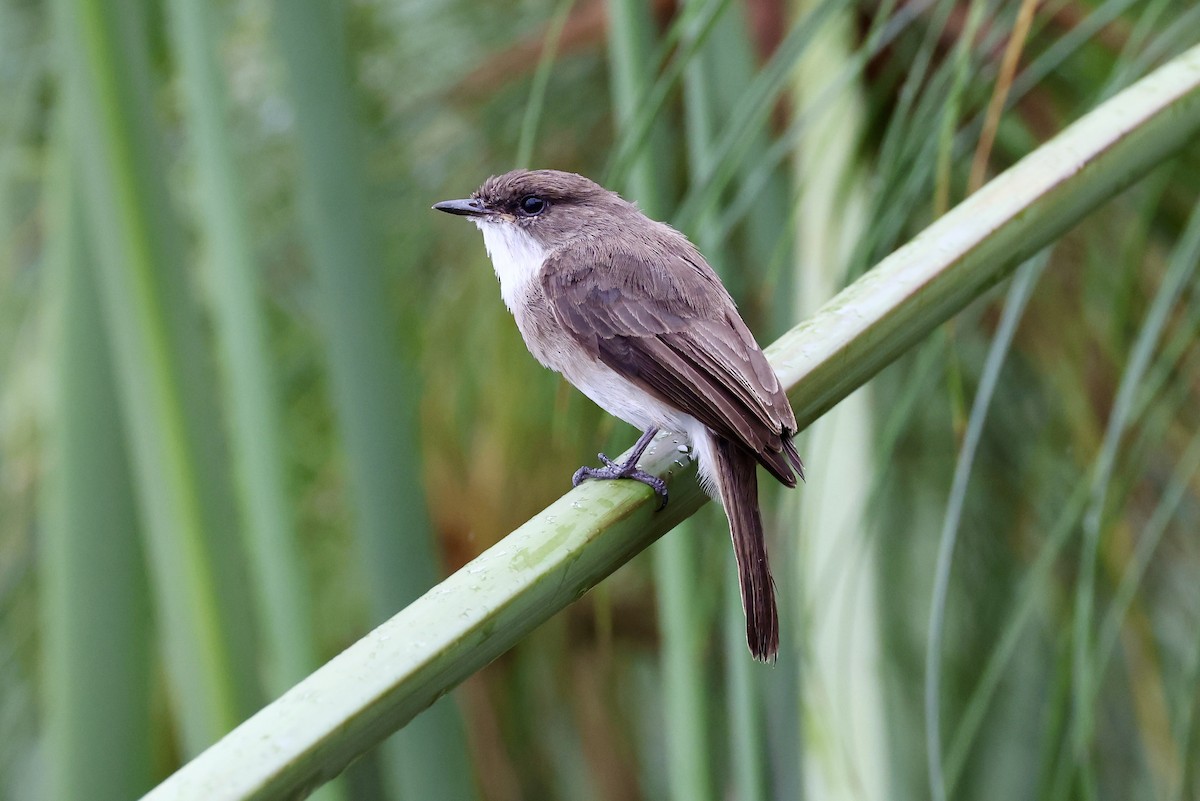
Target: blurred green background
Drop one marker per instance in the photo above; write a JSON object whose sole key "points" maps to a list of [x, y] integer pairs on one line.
{"points": [[255, 396]]}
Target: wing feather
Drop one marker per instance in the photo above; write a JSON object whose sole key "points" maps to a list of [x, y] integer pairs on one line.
{"points": [[668, 325]]}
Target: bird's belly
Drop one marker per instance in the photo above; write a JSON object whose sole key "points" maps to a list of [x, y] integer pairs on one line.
{"points": [[608, 389], [622, 398]]}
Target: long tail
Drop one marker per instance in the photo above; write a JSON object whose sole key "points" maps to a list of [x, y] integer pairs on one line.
{"points": [[738, 485]]}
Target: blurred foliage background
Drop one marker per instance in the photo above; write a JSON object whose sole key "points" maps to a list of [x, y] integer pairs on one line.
{"points": [[255, 396]]}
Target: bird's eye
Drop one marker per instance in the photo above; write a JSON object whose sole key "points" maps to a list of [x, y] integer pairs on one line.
{"points": [[532, 205]]}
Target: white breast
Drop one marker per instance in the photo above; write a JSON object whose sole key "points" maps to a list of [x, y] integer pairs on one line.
{"points": [[516, 257]]}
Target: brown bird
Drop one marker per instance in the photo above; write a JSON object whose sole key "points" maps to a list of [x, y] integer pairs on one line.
{"points": [[629, 312]]}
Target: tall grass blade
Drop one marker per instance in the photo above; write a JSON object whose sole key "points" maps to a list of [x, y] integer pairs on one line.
{"points": [[95, 601], [1084, 664], [541, 79], [763, 163], [164, 375], [374, 389], [1014, 307], [835, 560], [1031, 592], [749, 114], [951, 107], [1170, 765], [283, 609], [715, 85], [688, 719], [697, 20], [682, 665], [630, 42]]}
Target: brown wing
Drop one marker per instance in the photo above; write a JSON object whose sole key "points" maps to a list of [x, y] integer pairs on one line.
{"points": [[671, 328]]}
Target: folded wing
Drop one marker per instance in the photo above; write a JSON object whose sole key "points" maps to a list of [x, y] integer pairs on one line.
{"points": [[671, 328]]}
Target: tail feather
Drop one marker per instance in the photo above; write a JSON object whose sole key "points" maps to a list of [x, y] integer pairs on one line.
{"points": [[793, 456], [784, 463], [737, 482]]}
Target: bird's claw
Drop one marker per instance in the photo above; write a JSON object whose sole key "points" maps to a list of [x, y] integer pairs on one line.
{"points": [[613, 470]]}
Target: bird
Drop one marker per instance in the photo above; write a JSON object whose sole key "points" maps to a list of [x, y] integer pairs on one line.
{"points": [[629, 312]]}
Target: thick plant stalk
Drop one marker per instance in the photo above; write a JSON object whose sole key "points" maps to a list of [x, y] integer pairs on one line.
{"points": [[384, 680], [836, 557], [373, 386], [163, 370], [240, 328], [97, 648], [683, 671]]}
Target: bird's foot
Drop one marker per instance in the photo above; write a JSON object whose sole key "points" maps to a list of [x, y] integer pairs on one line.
{"points": [[629, 469]]}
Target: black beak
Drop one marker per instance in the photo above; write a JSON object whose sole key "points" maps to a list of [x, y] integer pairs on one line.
{"points": [[463, 208]]}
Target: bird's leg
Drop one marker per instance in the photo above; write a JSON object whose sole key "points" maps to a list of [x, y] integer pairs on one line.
{"points": [[627, 469]]}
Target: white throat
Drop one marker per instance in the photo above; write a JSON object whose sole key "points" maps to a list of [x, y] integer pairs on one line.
{"points": [[516, 257]]}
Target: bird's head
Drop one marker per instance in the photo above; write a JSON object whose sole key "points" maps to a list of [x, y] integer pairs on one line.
{"points": [[549, 206]]}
